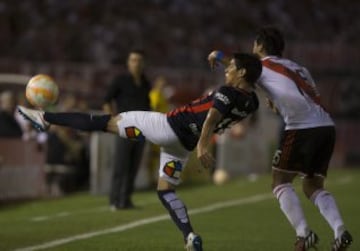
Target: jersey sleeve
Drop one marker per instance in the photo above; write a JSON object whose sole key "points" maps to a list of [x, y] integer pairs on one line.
{"points": [[223, 100]]}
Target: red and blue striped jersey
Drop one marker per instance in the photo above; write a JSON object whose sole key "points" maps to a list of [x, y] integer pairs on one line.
{"points": [[233, 103]]}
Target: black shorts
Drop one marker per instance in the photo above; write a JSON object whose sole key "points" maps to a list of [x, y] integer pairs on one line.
{"points": [[306, 151]]}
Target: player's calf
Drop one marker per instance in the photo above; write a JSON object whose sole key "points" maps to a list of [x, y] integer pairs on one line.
{"points": [[82, 121], [177, 211], [326, 204], [291, 207]]}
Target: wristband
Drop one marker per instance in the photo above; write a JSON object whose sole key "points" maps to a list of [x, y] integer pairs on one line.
{"points": [[219, 55]]}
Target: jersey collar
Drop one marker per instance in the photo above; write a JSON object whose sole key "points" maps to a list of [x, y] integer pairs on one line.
{"points": [[268, 57]]}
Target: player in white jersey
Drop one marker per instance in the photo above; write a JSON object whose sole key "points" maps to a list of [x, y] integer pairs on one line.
{"points": [[307, 142], [292, 90]]}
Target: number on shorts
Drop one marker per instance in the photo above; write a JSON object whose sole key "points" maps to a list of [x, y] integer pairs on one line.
{"points": [[276, 158]]}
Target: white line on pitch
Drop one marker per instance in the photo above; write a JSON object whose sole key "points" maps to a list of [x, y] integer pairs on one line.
{"points": [[146, 221], [91, 210], [65, 213]]}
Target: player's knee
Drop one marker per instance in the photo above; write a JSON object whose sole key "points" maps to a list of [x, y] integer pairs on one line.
{"points": [[273, 185], [164, 196], [280, 178], [312, 185], [112, 123], [277, 181], [164, 185], [309, 189]]}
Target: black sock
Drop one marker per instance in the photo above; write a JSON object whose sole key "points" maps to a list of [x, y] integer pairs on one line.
{"points": [[177, 210], [81, 121]]}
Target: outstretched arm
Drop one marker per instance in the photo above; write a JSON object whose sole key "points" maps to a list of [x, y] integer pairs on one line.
{"points": [[216, 57], [212, 119]]}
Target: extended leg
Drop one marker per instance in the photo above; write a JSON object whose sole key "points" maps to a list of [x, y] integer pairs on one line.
{"points": [[179, 215], [291, 207], [289, 201], [314, 189], [82, 121]]}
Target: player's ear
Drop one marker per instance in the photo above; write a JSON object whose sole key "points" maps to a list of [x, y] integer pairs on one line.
{"points": [[241, 72]]}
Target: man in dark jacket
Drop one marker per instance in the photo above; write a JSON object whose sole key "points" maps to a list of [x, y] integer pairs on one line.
{"points": [[129, 91]]}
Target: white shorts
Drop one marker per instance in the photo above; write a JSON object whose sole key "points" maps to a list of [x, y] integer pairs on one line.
{"points": [[154, 127]]}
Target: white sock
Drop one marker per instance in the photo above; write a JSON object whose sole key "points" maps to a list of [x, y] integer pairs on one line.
{"points": [[290, 205], [327, 206]]}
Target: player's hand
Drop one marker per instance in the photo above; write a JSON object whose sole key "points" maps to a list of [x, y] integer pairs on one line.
{"points": [[215, 58], [206, 159]]}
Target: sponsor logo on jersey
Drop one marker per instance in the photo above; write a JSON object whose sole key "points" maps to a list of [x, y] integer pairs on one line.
{"points": [[134, 133], [222, 98], [195, 130], [173, 169], [237, 112]]}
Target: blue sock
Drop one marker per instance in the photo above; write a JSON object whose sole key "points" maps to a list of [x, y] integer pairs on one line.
{"points": [[80, 121], [177, 211]]}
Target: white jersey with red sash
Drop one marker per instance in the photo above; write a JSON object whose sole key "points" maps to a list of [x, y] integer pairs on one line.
{"points": [[293, 91]]}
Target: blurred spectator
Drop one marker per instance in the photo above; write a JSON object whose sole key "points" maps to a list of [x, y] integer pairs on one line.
{"points": [[67, 161], [130, 91], [350, 105], [9, 127], [93, 31], [160, 94], [159, 101]]}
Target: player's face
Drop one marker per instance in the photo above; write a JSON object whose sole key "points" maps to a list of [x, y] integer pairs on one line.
{"points": [[136, 63], [232, 75], [256, 48]]}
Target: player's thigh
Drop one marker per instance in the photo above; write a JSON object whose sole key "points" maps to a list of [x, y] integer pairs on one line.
{"points": [[324, 140], [281, 177], [141, 125], [172, 164], [297, 151], [288, 158], [112, 125]]}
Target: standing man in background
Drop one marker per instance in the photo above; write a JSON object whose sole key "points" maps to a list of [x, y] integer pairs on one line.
{"points": [[129, 91]]}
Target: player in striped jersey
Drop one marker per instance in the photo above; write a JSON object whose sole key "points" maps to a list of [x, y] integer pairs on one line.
{"points": [[178, 132], [307, 142]]}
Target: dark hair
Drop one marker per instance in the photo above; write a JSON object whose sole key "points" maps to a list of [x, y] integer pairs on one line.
{"points": [[137, 51], [271, 39], [251, 63]]}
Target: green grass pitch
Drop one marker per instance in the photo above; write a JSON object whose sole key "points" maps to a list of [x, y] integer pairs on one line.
{"points": [[247, 223]]}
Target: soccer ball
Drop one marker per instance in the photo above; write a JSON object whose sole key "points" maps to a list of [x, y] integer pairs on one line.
{"points": [[220, 177], [41, 91]]}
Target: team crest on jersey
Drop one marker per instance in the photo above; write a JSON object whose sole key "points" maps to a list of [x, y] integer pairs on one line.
{"points": [[134, 133], [173, 169]]}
